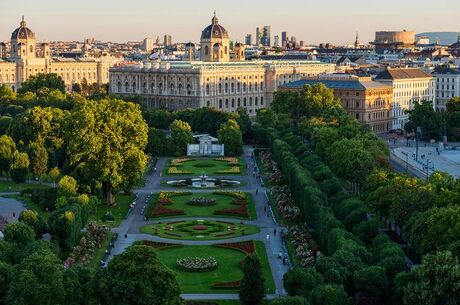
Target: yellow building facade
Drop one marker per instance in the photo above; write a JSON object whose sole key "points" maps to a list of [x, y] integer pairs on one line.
{"points": [[23, 62]]}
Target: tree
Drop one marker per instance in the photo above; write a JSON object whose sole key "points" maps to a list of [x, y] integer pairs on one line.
{"points": [[7, 149], [157, 143], [19, 167], [64, 225], [38, 158], [301, 281], [290, 301], [5, 278], [244, 122], [38, 279], [6, 93], [230, 135], [453, 105], [68, 186], [19, 234], [40, 81], [137, 277], [181, 135], [438, 281], [54, 174], [108, 138], [372, 281], [252, 288], [34, 220], [328, 295], [427, 118]]}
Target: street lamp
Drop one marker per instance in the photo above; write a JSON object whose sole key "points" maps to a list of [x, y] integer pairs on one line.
{"points": [[427, 169]]}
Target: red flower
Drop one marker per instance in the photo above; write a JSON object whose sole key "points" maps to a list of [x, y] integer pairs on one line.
{"points": [[247, 247]]}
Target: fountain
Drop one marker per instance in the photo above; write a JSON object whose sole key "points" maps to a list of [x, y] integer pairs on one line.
{"points": [[203, 181]]}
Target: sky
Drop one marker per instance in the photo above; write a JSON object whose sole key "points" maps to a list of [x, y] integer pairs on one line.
{"points": [[335, 21]]}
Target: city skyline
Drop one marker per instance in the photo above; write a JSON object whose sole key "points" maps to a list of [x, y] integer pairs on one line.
{"points": [[184, 21]]}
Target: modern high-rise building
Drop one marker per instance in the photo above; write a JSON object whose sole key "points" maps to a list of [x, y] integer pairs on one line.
{"points": [[266, 36], [167, 41], [248, 39], [276, 43], [284, 39], [259, 35], [148, 44]]}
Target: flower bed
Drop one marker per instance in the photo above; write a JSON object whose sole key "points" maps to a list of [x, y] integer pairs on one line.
{"points": [[200, 228], [247, 247], [231, 160], [159, 245], [173, 170], [223, 285], [238, 195], [160, 210], [196, 264], [285, 204], [241, 211], [232, 170], [274, 175], [179, 160], [303, 243], [200, 201]]}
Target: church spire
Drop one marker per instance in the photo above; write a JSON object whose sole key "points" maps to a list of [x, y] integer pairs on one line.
{"points": [[357, 43], [23, 22]]}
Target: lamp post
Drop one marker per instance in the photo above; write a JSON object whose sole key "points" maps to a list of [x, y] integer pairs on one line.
{"points": [[427, 169]]}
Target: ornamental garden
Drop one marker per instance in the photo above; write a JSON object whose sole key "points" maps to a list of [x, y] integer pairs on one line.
{"points": [[211, 166]]}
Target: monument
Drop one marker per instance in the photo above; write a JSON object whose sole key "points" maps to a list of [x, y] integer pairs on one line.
{"points": [[205, 146]]}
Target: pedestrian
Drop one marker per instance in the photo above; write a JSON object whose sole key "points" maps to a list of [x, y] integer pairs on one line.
{"points": [[274, 232], [268, 237], [280, 255], [257, 192], [253, 173], [265, 209], [126, 236], [154, 169], [14, 214], [284, 260]]}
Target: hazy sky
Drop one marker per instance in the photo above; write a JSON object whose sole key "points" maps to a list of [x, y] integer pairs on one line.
{"points": [[333, 21]]}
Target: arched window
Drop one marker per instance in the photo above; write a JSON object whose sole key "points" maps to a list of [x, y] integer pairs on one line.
{"points": [[171, 89], [232, 87], [261, 100], [244, 87], [119, 87], [233, 103], [226, 103], [206, 50], [152, 88], [181, 89], [160, 88], [220, 104], [126, 87], [250, 101], [261, 86], [256, 102], [239, 102], [144, 87], [208, 103], [207, 89], [134, 87], [244, 102], [226, 88], [189, 89], [238, 87], [220, 88], [250, 87]]}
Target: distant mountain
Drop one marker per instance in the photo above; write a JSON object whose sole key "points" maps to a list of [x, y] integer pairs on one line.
{"points": [[445, 38]]}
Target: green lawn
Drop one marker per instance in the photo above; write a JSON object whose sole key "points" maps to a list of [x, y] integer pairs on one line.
{"points": [[10, 186], [232, 302], [228, 268], [210, 166], [119, 211], [214, 230], [222, 202]]}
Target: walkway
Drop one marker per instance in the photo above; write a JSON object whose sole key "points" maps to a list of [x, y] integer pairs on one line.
{"points": [[10, 208], [132, 224]]}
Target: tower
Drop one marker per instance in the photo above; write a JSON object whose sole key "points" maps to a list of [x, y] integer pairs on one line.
{"points": [[23, 42], [357, 43], [215, 44]]}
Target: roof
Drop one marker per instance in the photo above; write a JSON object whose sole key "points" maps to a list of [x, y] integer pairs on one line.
{"points": [[446, 70], [23, 32], [402, 73], [214, 30], [337, 84]]}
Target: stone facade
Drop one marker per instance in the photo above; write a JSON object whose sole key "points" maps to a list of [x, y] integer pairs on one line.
{"points": [[23, 63], [366, 100], [216, 81]]}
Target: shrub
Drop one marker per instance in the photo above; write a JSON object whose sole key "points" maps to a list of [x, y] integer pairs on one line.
{"points": [[45, 198], [196, 264]]}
